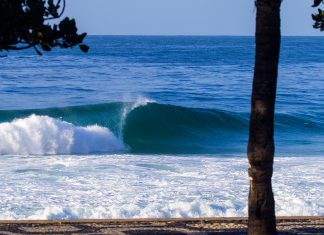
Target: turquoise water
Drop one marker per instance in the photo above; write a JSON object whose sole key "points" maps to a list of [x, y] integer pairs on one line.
{"points": [[155, 128], [196, 91]]}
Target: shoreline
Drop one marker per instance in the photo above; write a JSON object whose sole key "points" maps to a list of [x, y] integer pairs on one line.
{"points": [[219, 225]]}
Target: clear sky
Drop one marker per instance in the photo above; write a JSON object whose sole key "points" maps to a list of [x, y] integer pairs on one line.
{"points": [[183, 17]]}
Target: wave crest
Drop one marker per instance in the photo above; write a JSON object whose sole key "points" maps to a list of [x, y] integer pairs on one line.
{"points": [[147, 127], [45, 135]]}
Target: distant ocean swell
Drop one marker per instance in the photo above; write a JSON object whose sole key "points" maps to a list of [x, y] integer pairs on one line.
{"points": [[140, 127]]}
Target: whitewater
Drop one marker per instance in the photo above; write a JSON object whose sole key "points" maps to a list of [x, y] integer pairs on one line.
{"points": [[46, 135], [51, 172], [133, 186], [145, 127]]}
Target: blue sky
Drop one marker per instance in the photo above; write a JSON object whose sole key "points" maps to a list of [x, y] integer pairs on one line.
{"points": [[183, 17]]}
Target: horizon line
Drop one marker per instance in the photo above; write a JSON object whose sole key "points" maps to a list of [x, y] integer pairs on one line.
{"points": [[194, 35]]}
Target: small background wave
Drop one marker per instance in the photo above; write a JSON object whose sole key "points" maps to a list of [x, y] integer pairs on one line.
{"points": [[146, 127]]}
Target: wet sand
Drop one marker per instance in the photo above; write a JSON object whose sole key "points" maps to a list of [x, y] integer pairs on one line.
{"points": [[285, 225]]}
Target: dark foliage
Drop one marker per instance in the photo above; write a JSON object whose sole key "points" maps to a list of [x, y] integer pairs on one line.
{"points": [[319, 17], [25, 24]]}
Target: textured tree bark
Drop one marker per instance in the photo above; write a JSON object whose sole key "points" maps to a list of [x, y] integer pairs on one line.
{"points": [[261, 142]]}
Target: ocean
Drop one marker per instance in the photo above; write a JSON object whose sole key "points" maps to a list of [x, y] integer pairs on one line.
{"points": [[154, 126]]}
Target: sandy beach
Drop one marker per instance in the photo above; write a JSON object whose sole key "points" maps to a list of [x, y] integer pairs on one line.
{"points": [[237, 225]]}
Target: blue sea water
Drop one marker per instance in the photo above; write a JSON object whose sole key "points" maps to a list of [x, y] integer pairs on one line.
{"points": [[150, 103], [199, 88]]}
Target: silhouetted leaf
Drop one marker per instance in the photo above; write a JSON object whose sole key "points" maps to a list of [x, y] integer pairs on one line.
{"points": [[84, 48], [317, 3], [38, 51], [25, 23], [46, 47], [81, 37]]}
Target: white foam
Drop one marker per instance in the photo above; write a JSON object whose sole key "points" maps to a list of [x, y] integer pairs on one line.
{"points": [[133, 186], [140, 101], [46, 135]]}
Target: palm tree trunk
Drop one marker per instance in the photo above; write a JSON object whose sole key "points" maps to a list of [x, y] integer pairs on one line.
{"points": [[261, 142]]}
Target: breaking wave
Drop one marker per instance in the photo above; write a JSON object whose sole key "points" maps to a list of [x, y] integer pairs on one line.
{"points": [[46, 135], [143, 127]]}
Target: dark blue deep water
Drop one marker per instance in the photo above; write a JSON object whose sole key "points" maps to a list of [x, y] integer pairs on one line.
{"points": [[198, 90]]}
